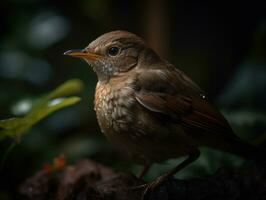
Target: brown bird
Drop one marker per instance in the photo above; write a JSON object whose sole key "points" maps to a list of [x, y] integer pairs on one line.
{"points": [[150, 109]]}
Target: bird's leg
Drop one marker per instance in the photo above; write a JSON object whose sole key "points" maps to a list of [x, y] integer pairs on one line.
{"points": [[191, 158], [158, 181], [144, 170]]}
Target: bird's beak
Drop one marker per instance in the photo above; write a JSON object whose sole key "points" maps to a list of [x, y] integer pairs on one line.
{"points": [[79, 53]]}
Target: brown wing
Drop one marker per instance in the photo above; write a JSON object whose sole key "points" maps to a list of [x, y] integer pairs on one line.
{"points": [[171, 93]]}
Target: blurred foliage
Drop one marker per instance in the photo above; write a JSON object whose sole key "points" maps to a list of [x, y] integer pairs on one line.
{"points": [[224, 52], [39, 109]]}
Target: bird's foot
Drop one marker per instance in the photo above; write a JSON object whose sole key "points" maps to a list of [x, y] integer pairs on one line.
{"points": [[149, 188]]}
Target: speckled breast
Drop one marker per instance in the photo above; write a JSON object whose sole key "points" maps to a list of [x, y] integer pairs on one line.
{"points": [[112, 106]]}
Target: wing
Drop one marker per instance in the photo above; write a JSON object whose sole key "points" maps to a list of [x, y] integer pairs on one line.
{"points": [[171, 93]]}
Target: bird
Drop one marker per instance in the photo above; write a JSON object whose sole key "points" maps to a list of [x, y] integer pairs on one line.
{"points": [[152, 110]]}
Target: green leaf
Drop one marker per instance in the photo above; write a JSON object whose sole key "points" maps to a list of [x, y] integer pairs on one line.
{"points": [[16, 127], [50, 107], [67, 88]]}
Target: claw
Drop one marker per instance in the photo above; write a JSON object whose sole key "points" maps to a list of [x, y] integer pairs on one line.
{"points": [[140, 187], [150, 187]]}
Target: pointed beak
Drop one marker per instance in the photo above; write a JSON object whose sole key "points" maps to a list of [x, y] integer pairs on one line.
{"points": [[79, 53]]}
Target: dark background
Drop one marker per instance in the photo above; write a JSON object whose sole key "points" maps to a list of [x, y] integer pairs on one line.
{"points": [[220, 46]]}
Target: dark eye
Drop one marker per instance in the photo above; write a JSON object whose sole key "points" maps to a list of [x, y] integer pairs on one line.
{"points": [[113, 51]]}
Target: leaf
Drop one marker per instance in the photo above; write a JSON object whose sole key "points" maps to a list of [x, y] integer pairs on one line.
{"points": [[50, 107], [16, 127], [67, 88]]}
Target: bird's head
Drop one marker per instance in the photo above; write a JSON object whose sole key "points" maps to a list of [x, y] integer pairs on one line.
{"points": [[114, 54]]}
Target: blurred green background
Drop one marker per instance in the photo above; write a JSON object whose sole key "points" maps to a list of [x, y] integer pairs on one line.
{"points": [[221, 46]]}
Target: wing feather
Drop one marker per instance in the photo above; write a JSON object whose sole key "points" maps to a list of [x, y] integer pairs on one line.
{"points": [[172, 93]]}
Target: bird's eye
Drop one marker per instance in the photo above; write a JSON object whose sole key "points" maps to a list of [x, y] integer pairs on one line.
{"points": [[113, 51]]}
